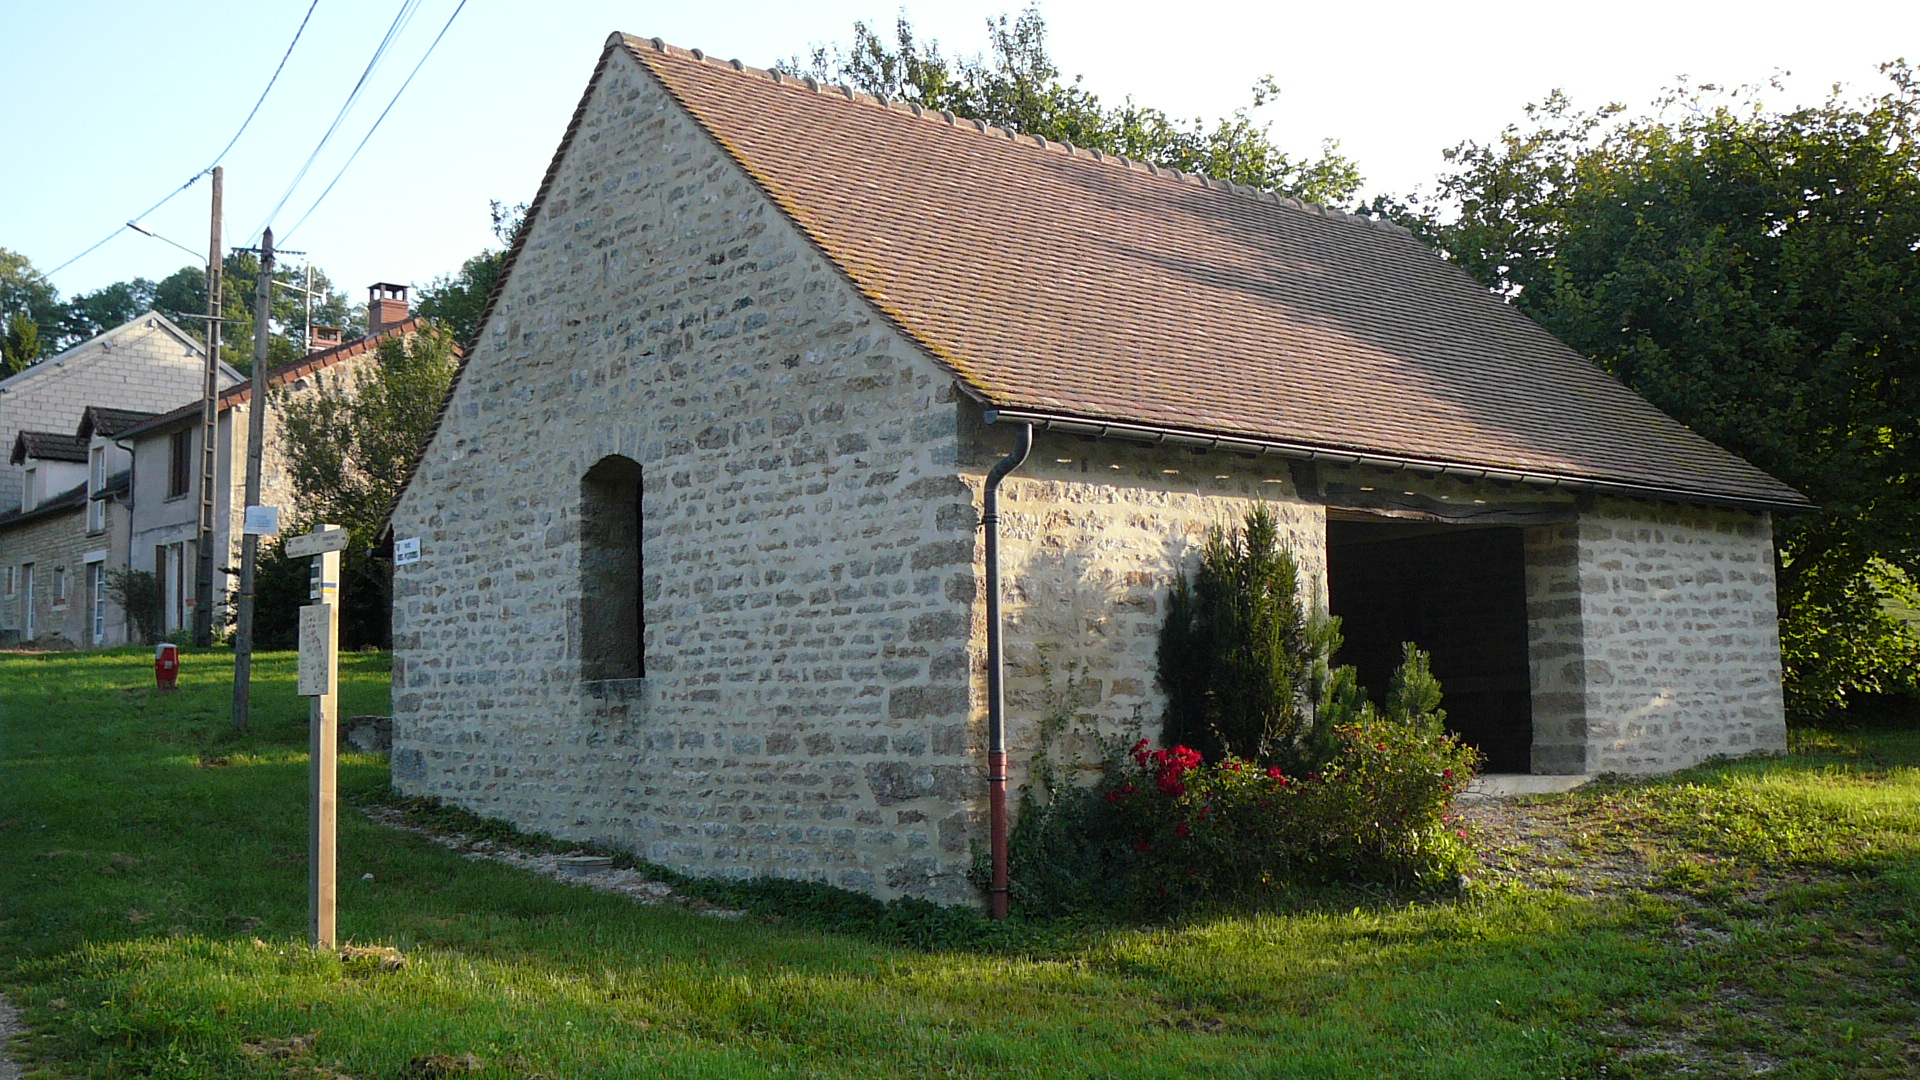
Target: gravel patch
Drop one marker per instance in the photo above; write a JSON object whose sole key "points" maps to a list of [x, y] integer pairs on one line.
{"points": [[576, 868], [9, 1030], [1551, 843]]}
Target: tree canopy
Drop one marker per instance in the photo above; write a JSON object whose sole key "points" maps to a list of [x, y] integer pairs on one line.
{"points": [[350, 442], [1752, 271], [36, 323], [1018, 87], [457, 300], [29, 313]]}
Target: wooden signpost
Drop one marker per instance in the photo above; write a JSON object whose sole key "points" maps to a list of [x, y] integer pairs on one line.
{"points": [[319, 680]]}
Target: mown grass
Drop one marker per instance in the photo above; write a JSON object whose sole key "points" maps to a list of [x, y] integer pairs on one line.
{"points": [[152, 904]]}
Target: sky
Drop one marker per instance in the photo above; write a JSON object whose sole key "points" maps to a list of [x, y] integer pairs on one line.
{"points": [[109, 107]]}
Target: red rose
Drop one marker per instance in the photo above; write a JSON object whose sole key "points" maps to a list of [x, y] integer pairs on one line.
{"points": [[1182, 831]]}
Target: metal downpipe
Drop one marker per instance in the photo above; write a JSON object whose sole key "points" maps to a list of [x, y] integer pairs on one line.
{"points": [[996, 663]]}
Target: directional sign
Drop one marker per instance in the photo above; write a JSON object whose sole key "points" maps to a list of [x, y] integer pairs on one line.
{"points": [[315, 543]]}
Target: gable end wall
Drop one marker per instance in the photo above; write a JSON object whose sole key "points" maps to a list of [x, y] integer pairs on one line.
{"points": [[807, 542]]}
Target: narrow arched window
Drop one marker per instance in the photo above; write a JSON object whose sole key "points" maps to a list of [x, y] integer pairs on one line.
{"points": [[613, 617]]}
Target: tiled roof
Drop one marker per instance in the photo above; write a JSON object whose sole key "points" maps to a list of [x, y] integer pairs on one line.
{"points": [[98, 420], [48, 446], [282, 375], [1059, 282], [72, 499]]}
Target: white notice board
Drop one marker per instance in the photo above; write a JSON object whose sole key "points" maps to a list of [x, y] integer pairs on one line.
{"points": [[315, 637]]}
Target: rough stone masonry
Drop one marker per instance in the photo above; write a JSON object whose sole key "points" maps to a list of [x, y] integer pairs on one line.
{"points": [[808, 486]]}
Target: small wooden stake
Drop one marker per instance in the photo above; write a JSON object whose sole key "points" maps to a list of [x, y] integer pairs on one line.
{"points": [[320, 678]]}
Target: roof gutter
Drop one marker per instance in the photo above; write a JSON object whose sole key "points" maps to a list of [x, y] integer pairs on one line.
{"points": [[1151, 433]]}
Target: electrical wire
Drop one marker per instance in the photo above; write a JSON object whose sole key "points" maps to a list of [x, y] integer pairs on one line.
{"points": [[221, 156], [263, 94], [400, 20], [377, 120]]}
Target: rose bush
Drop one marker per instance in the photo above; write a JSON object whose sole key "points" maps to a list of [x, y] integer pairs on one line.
{"points": [[1378, 809], [1163, 827]]}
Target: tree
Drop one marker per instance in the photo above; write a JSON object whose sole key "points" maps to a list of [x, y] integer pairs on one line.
{"points": [[350, 442], [1752, 272], [90, 314], [21, 346], [1019, 88], [1235, 653], [457, 300], [183, 293], [25, 294]]}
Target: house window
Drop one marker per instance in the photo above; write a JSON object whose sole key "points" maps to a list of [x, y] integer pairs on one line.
{"points": [[96, 481], [6, 581], [59, 586], [180, 463], [613, 619], [27, 628], [97, 600], [28, 498]]}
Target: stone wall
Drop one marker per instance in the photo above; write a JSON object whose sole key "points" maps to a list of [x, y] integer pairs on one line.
{"points": [[1092, 534], [1556, 649], [53, 542], [1682, 638], [803, 520]]}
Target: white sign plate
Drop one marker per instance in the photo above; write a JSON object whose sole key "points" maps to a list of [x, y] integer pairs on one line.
{"points": [[406, 551], [261, 521], [315, 639], [299, 547]]}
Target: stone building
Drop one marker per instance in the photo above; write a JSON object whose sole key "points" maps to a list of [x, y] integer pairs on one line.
{"points": [[700, 568], [59, 503], [165, 477], [119, 489]]}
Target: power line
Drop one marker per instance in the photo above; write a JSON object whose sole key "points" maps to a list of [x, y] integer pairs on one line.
{"points": [[377, 120], [400, 19], [157, 236], [263, 94], [195, 178]]}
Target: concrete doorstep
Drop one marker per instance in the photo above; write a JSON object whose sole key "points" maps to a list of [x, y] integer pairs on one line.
{"points": [[1512, 785]]}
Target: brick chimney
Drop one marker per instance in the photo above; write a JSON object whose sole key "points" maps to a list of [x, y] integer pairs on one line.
{"points": [[386, 306], [322, 338]]}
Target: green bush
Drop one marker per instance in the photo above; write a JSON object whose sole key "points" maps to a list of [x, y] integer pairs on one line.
{"points": [[137, 593], [1377, 811]]}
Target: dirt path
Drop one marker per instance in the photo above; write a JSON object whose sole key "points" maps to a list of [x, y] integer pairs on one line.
{"points": [[9, 1029]]}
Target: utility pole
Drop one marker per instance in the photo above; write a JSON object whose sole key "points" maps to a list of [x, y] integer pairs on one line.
{"points": [[256, 433], [209, 419]]}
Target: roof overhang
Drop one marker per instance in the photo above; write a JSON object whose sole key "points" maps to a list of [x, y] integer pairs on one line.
{"points": [[1148, 433]]}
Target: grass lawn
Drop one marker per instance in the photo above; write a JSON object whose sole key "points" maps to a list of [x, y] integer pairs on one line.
{"points": [[1757, 916]]}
